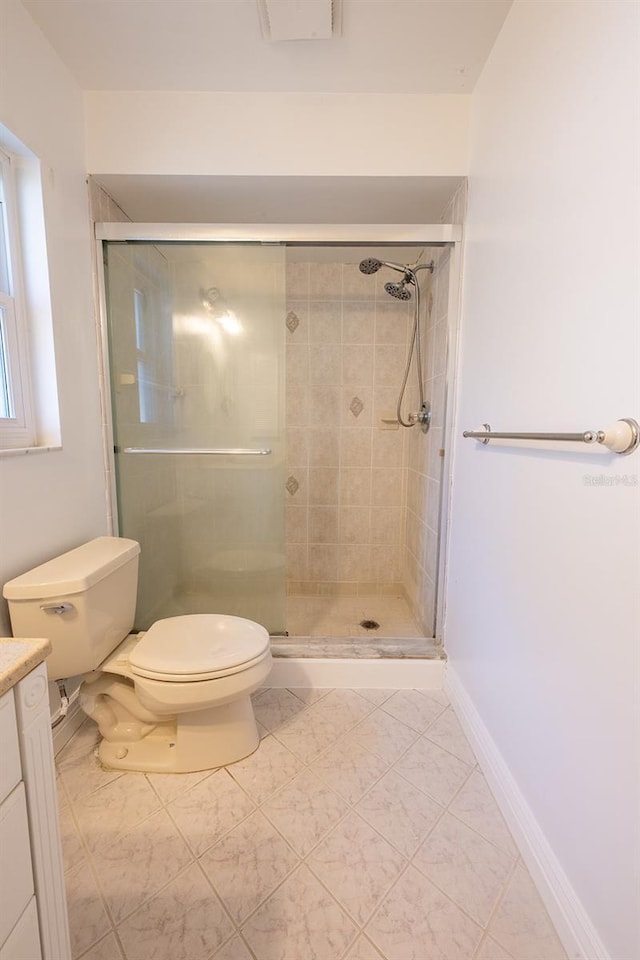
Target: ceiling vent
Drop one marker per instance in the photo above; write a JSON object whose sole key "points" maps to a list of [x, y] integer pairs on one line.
{"points": [[300, 19]]}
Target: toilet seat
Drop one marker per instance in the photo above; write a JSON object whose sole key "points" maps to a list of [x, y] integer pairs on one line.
{"points": [[198, 647]]}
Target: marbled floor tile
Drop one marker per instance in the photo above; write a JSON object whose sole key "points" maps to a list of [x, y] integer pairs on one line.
{"points": [[266, 770], [105, 949], [185, 921], [248, 864], [363, 949], [274, 706], [521, 923], [376, 697], [82, 743], [438, 695], [433, 770], [61, 793], [382, 734], [490, 950], [310, 695], [417, 710], [344, 707], [88, 921], [357, 865], [308, 734], [448, 734], [476, 806], [349, 769], [209, 810], [168, 786], [233, 949], [111, 811], [73, 852], [139, 863], [416, 921], [400, 812], [83, 775], [465, 866], [304, 811], [299, 921]]}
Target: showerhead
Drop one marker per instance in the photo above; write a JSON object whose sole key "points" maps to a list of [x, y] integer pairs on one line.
{"points": [[398, 290], [370, 265]]}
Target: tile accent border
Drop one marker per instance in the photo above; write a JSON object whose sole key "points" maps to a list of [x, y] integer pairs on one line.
{"points": [[574, 927], [379, 674]]}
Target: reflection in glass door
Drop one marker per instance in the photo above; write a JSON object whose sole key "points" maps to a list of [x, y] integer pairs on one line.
{"points": [[196, 343]]}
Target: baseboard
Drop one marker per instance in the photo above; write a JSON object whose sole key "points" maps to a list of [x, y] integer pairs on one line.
{"points": [[65, 730], [383, 673], [575, 929]]}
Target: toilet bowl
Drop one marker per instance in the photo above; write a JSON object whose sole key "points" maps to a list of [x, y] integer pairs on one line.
{"points": [[175, 698]]}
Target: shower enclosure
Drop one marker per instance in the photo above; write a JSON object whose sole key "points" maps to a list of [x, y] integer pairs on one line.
{"points": [[259, 454]]}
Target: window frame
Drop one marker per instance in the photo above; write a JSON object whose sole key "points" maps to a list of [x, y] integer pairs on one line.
{"points": [[17, 431]]}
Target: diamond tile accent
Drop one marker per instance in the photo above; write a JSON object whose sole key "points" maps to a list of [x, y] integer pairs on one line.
{"points": [[292, 485], [292, 321], [356, 406]]}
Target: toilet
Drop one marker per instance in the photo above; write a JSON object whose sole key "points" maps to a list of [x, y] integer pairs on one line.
{"points": [[173, 699]]}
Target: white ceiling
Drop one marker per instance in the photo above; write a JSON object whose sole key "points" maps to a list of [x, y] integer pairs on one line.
{"points": [[386, 46]]}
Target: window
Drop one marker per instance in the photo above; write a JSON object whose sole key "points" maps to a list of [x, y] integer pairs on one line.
{"points": [[16, 422]]}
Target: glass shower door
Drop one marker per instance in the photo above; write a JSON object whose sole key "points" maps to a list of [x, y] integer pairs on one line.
{"points": [[196, 345]]}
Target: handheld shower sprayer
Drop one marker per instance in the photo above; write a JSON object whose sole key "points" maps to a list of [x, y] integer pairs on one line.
{"points": [[401, 292]]}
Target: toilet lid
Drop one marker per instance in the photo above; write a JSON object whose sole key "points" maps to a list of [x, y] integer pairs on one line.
{"points": [[189, 646]]}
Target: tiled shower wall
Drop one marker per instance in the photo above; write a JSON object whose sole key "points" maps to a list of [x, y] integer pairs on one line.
{"points": [[424, 460], [346, 492], [424, 456]]}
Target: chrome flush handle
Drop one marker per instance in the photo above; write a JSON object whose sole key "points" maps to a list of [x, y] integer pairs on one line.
{"points": [[57, 607]]}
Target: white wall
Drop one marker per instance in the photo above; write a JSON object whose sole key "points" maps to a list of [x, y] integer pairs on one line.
{"points": [[542, 604], [276, 134], [53, 501]]}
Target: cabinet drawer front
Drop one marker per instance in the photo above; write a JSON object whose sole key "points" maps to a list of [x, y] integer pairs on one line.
{"points": [[9, 748], [16, 878], [23, 943]]}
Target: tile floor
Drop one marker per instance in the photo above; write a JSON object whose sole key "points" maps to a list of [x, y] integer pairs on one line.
{"points": [[361, 828], [341, 616]]}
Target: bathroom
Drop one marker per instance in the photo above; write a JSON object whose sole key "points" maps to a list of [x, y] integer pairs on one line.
{"points": [[526, 534]]}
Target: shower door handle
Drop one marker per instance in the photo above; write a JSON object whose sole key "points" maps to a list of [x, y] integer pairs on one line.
{"points": [[201, 451]]}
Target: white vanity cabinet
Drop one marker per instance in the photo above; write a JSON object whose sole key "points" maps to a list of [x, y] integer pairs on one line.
{"points": [[33, 913]]}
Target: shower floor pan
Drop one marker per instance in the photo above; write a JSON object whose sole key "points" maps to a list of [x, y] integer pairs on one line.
{"points": [[353, 627]]}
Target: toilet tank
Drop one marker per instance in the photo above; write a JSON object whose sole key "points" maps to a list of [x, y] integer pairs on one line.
{"points": [[83, 601]]}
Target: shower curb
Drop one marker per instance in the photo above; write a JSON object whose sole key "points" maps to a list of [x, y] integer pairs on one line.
{"points": [[385, 673]]}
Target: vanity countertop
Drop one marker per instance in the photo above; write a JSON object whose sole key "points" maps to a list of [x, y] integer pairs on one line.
{"points": [[18, 657]]}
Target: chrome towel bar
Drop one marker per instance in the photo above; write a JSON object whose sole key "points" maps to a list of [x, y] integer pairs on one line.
{"points": [[622, 437], [202, 451]]}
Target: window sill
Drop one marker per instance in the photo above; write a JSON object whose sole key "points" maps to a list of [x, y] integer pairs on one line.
{"points": [[21, 451]]}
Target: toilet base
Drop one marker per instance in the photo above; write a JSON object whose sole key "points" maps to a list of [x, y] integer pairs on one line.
{"points": [[202, 740]]}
